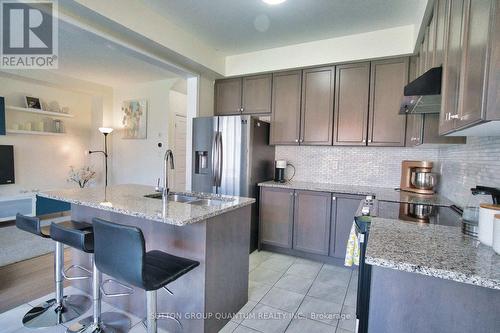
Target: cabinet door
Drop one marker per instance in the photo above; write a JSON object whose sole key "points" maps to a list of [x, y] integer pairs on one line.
{"points": [[352, 87], [276, 216], [228, 97], [475, 47], [386, 126], [317, 106], [311, 225], [257, 94], [425, 51], [285, 123], [345, 209], [451, 67], [440, 15], [430, 133], [431, 43]]}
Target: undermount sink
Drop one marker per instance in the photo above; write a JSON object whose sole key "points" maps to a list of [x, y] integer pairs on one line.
{"points": [[208, 202], [190, 199], [174, 197]]}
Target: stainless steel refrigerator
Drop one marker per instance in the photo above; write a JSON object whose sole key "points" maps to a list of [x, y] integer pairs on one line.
{"points": [[231, 155]]}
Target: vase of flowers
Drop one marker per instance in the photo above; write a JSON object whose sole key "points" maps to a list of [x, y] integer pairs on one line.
{"points": [[82, 176]]}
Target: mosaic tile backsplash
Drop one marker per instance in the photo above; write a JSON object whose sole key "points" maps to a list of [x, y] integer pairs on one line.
{"points": [[368, 166], [461, 166], [465, 166]]}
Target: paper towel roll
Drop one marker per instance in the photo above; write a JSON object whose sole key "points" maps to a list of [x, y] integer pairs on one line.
{"points": [[487, 214], [496, 234]]}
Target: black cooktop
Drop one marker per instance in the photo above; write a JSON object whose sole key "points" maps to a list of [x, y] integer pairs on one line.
{"points": [[441, 215]]}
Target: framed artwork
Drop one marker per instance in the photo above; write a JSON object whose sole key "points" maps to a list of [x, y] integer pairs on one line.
{"points": [[135, 115], [32, 102]]}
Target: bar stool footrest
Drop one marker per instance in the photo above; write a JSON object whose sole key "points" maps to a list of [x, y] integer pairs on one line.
{"points": [[78, 277], [129, 290]]}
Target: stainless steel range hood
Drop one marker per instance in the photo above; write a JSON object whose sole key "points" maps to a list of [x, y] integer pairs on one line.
{"points": [[423, 95]]}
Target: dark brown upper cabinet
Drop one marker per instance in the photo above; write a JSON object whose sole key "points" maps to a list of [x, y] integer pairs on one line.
{"points": [[256, 96], [474, 70], [440, 9], [286, 105], [228, 97], [451, 67], [318, 88], [247, 95], [352, 89], [386, 127]]}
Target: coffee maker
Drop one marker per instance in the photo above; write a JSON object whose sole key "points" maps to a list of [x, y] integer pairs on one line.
{"points": [[417, 177], [279, 171]]}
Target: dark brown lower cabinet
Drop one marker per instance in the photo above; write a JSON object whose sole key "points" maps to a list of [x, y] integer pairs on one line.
{"points": [[343, 210], [311, 222], [276, 216]]}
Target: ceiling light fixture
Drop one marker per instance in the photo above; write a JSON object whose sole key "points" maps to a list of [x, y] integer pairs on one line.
{"points": [[273, 2]]}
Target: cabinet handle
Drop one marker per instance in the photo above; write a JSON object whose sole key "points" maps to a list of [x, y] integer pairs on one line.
{"points": [[296, 140], [334, 198], [369, 141], [301, 140], [454, 116], [295, 194], [291, 194], [364, 141], [242, 109]]}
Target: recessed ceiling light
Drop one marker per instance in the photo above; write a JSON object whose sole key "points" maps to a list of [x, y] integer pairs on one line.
{"points": [[273, 2]]}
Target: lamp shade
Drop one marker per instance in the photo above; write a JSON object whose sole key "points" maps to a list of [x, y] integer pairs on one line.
{"points": [[105, 130]]}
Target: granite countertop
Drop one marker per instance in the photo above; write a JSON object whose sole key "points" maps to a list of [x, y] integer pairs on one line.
{"points": [[433, 250], [381, 193], [130, 200]]}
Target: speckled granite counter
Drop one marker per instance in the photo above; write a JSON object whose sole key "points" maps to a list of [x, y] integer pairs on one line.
{"points": [[433, 250], [130, 200], [381, 193]]}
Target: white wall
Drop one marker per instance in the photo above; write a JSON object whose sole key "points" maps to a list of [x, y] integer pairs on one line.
{"points": [[42, 162], [140, 161], [375, 44]]}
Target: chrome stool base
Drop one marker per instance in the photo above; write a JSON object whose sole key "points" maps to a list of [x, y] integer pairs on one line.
{"points": [[111, 322], [50, 313]]}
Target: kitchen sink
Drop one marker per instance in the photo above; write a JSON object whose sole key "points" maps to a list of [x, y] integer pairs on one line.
{"points": [[208, 202], [174, 197], [191, 199]]}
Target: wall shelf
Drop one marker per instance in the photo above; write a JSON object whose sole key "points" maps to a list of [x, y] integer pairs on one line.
{"points": [[38, 112], [13, 131]]}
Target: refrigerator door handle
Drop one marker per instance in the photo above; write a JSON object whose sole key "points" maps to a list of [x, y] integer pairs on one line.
{"points": [[220, 150], [215, 157]]}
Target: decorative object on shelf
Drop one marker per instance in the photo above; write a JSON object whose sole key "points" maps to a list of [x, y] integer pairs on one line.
{"points": [[82, 176], [135, 114], [33, 102], [105, 131], [65, 110], [54, 107], [58, 126]]}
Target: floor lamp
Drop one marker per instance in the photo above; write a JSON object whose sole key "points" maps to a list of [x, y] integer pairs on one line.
{"points": [[105, 131]]}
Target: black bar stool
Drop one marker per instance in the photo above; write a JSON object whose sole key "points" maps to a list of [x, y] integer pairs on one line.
{"points": [[83, 239], [120, 252], [60, 309]]}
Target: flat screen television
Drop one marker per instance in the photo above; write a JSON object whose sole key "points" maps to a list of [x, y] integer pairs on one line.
{"points": [[6, 164]]}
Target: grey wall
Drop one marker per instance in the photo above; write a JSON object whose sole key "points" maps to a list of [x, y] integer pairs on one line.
{"points": [[352, 165], [465, 166]]}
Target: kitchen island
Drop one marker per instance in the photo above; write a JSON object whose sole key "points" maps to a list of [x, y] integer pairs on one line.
{"points": [[212, 229], [430, 278]]}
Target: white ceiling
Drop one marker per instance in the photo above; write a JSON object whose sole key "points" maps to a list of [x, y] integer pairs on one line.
{"points": [[238, 26], [89, 57]]}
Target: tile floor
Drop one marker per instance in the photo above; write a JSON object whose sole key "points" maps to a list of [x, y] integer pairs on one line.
{"points": [[286, 294]]}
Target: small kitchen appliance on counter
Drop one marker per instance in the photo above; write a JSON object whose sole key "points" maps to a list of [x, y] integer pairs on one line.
{"points": [[417, 177], [279, 171], [479, 195]]}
